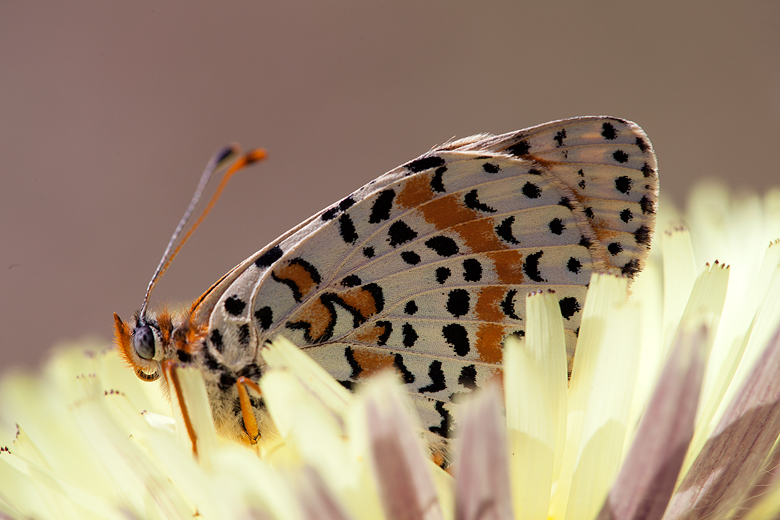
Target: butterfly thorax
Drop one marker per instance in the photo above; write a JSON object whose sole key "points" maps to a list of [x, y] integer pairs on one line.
{"points": [[178, 338]]}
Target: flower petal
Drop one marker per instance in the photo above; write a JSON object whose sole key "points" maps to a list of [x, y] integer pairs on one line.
{"points": [[737, 451], [600, 396], [649, 473], [402, 471], [316, 500], [482, 471], [535, 381]]}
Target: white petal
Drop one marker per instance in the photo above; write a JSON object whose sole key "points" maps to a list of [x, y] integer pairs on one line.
{"points": [[649, 473], [535, 381], [482, 472], [317, 501], [600, 395], [737, 450], [402, 471]]}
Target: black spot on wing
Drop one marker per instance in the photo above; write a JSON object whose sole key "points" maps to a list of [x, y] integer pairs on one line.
{"points": [[556, 226], [472, 270], [400, 233], [410, 307], [442, 273], [531, 267], [458, 338], [647, 170], [269, 257], [437, 184], [520, 149], [442, 246], [608, 132], [216, 340], [508, 304], [347, 229], [569, 306], [387, 329], [642, 144], [264, 317], [351, 281], [458, 302], [380, 209], [626, 215], [560, 136], [437, 378], [531, 190], [406, 375], [490, 167], [468, 377], [409, 335], [574, 265], [410, 257], [368, 252], [346, 203], [471, 199], [443, 429], [620, 156], [642, 235], [647, 205], [425, 163], [504, 230], [631, 268], [349, 354], [234, 305], [329, 214], [623, 184], [566, 203], [615, 248]]}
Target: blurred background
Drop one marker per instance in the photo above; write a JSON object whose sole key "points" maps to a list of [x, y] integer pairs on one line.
{"points": [[109, 111]]}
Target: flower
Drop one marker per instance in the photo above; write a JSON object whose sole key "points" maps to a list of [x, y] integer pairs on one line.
{"points": [[672, 411]]}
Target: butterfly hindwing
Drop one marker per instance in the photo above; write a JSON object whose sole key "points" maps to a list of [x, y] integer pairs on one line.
{"points": [[426, 269]]}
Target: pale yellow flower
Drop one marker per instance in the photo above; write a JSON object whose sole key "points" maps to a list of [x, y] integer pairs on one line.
{"points": [[673, 411]]}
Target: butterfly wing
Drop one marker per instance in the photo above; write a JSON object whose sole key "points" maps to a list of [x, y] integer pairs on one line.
{"points": [[426, 268]]}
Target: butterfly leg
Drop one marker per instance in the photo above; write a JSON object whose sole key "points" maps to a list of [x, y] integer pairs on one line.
{"points": [[247, 413], [173, 381]]}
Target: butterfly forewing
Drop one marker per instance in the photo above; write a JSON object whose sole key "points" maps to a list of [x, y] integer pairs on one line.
{"points": [[426, 269]]}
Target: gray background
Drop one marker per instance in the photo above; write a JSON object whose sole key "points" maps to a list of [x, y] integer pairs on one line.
{"points": [[110, 110]]}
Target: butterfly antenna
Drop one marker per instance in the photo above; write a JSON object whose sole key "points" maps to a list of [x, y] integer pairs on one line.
{"points": [[217, 161]]}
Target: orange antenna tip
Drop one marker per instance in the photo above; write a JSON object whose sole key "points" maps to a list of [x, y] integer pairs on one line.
{"points": [[258, 154], [217, 161]]}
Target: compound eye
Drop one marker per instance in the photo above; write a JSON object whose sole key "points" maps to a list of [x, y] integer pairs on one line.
{"points": [[143, 342]]}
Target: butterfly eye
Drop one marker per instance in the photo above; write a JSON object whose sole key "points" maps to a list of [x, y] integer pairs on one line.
{"points": [[143, 341]]}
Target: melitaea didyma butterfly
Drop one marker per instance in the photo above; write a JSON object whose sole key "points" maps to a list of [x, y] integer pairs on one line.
{"points": [[424, 270]]}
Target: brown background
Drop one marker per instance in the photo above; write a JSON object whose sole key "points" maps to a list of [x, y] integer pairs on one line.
{"points": [[109, 112]]}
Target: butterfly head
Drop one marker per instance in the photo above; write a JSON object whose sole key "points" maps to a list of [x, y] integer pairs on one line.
{"points": [[143, 343]]}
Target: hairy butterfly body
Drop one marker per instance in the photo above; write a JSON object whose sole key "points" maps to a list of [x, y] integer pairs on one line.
{"points": [[424, 270]]}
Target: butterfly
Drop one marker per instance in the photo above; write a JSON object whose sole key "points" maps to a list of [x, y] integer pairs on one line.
{"points": [[424, 270]]}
